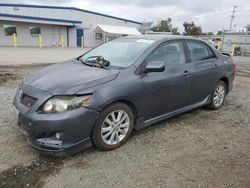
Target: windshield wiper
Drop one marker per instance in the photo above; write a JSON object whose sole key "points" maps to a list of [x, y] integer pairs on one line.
{"points": [[98, 60], [85, 63]]}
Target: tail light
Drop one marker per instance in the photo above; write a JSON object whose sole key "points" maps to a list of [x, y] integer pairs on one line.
{"points": [[234, 66]]}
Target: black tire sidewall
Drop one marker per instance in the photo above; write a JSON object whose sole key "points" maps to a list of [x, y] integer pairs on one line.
{"points": [[96, 132]]}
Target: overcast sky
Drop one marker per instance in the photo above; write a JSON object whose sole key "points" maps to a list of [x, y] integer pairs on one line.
{"points": [[211, 15]]}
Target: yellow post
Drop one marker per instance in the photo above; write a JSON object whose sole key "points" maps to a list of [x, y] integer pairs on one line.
{"points": [[233, 48], [107, 39], [82, 41], [40, 41], [62, 41], [14, 40], [218, 46]]}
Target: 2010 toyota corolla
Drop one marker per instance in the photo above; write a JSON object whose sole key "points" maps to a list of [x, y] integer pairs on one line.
{"points": [[129, 83]]}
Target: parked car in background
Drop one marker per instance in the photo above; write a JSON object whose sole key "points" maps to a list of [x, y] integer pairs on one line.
{"points": [[126, 84]]}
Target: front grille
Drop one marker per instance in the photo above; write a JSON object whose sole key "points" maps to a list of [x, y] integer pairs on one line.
{"points": [[27, 100]]}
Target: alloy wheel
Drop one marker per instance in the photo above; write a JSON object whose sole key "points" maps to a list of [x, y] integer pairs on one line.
{"points": [[115, 127], [219, 95]]}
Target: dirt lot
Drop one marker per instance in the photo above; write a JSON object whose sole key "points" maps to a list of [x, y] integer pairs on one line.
{"points": [[201, 148]]}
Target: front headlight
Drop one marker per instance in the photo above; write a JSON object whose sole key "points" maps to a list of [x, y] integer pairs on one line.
{"points": [[65, 103]]}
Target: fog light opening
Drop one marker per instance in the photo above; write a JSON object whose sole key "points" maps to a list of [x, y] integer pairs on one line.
{"points": [[58, 136]]}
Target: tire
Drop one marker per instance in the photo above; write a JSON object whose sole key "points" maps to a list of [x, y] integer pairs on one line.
{"points": [[218, 102], [109, 133]]}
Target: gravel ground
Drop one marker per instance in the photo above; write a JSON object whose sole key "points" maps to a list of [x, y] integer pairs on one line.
{"points": [[201, 148]]}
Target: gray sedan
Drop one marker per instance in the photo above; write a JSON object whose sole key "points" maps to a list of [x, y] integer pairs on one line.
{"points": [[126, 84]]}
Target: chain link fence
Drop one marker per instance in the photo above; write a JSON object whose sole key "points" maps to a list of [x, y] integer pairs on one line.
{"points": [[241, 42], [238, 44]]}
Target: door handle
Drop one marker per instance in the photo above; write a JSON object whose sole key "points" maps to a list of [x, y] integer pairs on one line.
{"points": [[186, 73], [216, 66]]}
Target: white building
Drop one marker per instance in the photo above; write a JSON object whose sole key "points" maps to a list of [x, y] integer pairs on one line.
{"points": [[29, 21]]}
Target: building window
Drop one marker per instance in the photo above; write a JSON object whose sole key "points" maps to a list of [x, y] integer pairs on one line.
{"points": [[9, 30], [35, 31], [98, 36]]}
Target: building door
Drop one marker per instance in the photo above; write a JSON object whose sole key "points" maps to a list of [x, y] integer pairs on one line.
{"points": [[79, 35]]}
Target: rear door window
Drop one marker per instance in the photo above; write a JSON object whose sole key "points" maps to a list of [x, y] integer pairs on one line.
{"points": [[199, 51]]}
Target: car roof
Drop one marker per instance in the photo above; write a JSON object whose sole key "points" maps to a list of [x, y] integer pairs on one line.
{"points": [[160, 37]]}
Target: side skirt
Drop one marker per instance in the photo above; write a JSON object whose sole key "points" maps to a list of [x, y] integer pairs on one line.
{"points": [[141, 123]]}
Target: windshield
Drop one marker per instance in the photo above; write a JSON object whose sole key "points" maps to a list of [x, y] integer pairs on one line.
{"points": [[120, 53]]}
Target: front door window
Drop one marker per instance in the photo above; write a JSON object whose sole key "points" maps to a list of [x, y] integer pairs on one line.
{"points": [[169, 53]]}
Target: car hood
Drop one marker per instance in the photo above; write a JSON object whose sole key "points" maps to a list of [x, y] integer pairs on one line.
{"points": [[69, 77]]}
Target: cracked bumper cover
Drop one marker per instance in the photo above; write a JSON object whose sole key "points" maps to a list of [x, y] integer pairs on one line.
{"points": [[74, 126]]}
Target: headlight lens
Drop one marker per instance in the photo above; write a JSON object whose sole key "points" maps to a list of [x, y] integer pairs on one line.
{"points": [[62, 104]]}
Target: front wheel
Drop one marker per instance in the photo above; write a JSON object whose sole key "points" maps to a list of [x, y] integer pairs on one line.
{"points": [[218, 96], [114, 127]]}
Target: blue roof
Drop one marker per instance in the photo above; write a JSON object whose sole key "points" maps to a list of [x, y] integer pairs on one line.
{"points": [[69, 8], [73, 22]]}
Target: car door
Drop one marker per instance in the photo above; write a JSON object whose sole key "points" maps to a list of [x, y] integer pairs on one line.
{"points": [[205, 70], [167, 91]]}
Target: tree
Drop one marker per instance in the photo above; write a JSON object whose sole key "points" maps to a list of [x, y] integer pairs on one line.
{"points": [[208, 33], [175, 31], [248, 27], [163, 26], [219, 32], [166, 26], [191, 29]]}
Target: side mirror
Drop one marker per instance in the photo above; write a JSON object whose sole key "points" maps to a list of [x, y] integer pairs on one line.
{"points": [[154, 66]]}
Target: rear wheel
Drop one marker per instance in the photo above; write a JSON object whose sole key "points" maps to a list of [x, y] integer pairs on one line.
{"points": [[113, 127], [218, 96]]}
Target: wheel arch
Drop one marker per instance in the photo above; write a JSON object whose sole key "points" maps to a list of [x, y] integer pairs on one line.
{"points": [[129, 103], [226, 81]]}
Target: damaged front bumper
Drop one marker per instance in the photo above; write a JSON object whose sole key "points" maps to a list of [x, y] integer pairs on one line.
{"points": [[58, 134]]}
